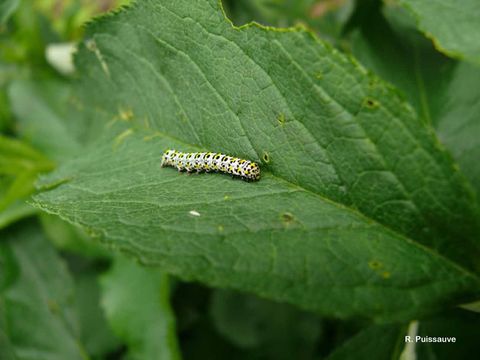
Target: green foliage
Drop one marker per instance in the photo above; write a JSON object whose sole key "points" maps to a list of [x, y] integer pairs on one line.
{"points": [[95, 333], [453, 28], [372, 167], [7, 7], [19, 166], [136, 301], [363, 117], [37, 293]]}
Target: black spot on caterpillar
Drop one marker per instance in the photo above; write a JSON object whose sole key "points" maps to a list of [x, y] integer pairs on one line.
{"points": [[208, 161]]}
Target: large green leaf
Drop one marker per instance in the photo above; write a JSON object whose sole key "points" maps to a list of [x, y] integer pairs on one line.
{"points": [[37, 293], [137, 305], [453, 26], [350, 175]]}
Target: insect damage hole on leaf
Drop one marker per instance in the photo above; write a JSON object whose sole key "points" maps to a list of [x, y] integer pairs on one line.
{"points": [[281, 118], [266, 157], [371, 103], [287, 218], [375, 264]]}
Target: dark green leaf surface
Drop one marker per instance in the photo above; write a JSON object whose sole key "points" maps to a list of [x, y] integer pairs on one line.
{"points": [[136, 302], [453, 26], [460, 324], [267, 329], [344, 161], [96, 335], [38, 295], [375, 342], [6, 348], [269, 237]]}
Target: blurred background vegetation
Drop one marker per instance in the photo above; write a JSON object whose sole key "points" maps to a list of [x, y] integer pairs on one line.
{"points": [[37, 38]]}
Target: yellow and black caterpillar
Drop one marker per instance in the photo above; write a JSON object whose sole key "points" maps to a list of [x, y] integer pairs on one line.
{"points": [[208, 161]]}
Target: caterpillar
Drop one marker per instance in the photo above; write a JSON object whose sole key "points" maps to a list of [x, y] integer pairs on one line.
{"points": [[209, 161]]}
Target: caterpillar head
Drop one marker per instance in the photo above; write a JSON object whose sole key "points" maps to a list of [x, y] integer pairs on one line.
{"points": [[253, 171]]}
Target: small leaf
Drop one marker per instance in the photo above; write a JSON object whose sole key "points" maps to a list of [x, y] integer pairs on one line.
{"points": [[38, 295], [19, 166], [136, 302], [95, 333]]}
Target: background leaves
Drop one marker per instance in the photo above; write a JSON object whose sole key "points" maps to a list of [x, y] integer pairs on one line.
{"points": [[37, 293], [451, 27], [136, 301]]}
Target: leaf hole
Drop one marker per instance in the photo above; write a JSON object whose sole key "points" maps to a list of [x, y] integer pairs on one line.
{"points": [[371, 103], [287, 217], [374, 264], [281, 118], [266, 157]]}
